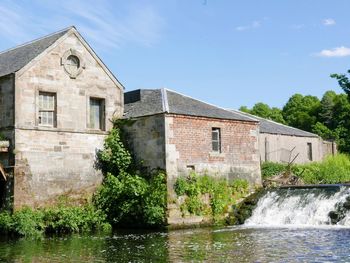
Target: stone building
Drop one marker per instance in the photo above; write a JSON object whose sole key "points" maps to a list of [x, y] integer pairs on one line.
{"points": [[180, 134], [56, 100], [282, 143]]}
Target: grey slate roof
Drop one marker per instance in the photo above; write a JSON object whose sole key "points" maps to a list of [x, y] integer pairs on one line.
{"points": [[16, 58], [272, 127], [147, 102]]}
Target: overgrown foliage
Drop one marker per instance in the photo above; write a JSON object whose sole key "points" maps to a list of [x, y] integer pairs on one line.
{"points": [[222, 194], [2, 137], [269, 169], [59, 219], [334, 169], [128, 195]]}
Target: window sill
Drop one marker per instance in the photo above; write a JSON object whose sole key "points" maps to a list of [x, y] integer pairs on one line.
{"points": [[217, 154], [55, 129]]}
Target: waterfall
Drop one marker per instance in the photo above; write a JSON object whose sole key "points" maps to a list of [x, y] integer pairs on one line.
{"points": [[303, 207]]}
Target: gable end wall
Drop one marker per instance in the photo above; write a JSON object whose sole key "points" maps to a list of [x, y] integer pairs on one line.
{"points": [[60, 161]]}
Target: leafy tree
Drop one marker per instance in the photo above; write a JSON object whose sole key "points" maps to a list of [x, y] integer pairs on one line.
{"points": [[327, 108], [244, 109], [301, 111], [264, 111], [261, 109], [323, 131], [343, 82]]}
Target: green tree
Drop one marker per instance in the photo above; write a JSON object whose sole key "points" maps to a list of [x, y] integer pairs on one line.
{"points": [[327, 109], [262, 110], [343, 82], [301, 111]]}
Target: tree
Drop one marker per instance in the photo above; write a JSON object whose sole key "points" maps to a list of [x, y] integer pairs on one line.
{"points": [[327, 109], [343, 82], [264, 111], [301, 111]]}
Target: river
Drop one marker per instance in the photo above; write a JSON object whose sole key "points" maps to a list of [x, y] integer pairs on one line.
{"points": [[286, 226], [231, 244]]}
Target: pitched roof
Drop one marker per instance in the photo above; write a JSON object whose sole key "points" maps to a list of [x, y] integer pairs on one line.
{"points": [[14, 59], [147, 102], [272, 127]]}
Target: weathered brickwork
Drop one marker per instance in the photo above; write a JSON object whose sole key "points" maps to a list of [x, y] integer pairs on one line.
{"points": [[191, 139], [53, 161]]}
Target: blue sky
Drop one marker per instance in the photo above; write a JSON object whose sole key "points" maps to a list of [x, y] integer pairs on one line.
{"points": [[228, 53]]}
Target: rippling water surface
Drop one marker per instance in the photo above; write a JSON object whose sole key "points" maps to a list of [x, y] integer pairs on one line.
{"points": [[233, 244]]}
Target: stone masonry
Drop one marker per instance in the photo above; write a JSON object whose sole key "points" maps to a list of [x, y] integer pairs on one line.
{"points": [[53, 161]]}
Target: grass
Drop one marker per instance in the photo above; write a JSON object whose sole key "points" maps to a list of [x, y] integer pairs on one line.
{"points": [[332, 170]]}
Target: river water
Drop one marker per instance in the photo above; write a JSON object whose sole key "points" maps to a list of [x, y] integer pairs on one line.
{"points": [[231, 244], [286, 226]]}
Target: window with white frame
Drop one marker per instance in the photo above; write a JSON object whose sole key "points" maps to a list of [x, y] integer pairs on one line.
{"points": [[47, 109], [97, 114], [216, 139]]}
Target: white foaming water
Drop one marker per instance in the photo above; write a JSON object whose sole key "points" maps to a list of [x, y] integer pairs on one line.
{"points": [[298, 207]]}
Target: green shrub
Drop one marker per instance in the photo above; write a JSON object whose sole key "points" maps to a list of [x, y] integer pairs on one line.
{"points": [[2, 137], [6, 222], [269, 169], [222, 194], [334, 169], [58, 219], [27, 222], [129, 196]]}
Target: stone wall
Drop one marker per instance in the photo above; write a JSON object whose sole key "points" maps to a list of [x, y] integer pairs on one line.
{"points": [[146, 137], [50, 164], [275, 148], [51, 161], [6, 102]]}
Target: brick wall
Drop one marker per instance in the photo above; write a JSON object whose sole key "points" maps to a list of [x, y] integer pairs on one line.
{"points": [[189, 146]]}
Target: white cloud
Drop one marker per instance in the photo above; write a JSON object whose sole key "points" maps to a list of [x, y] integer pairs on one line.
{"points": [[335, 52], [253, 25], [103, 24], [329, 22]]}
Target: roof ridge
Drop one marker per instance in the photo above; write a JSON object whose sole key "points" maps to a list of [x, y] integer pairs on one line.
{"points": [[165, 103], [37, 39], [213, 105]]}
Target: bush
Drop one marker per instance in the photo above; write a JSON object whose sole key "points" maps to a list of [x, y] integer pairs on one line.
{"points": [[222, 194], [269, 169], [333, 170], [60, 219], [128, 195]]}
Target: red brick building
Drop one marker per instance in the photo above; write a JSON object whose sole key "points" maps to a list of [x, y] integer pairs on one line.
{"points": [[180, 134]]}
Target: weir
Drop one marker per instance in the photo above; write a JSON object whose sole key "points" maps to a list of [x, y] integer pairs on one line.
{"points": [[303, 206]]}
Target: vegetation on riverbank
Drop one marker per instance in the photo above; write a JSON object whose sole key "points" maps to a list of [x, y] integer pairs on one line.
{"points": [[332, 170], [205, 195], [61, 219], [129, 194]]}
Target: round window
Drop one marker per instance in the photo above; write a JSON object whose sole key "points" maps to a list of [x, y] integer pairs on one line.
{"points": [[72, 63]]}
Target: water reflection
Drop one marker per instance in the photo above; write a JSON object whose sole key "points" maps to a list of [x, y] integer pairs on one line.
{"points": [[197, 245]]}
